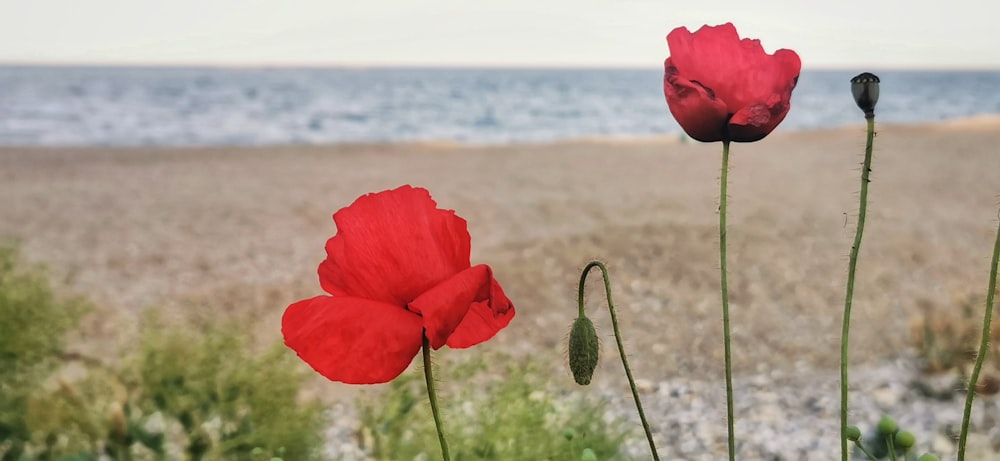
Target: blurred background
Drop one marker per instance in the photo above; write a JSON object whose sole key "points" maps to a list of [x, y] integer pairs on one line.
{"points": [[168, 171]]}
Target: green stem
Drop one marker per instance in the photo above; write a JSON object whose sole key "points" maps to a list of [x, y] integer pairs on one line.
{"points": [[432, 395], [851, 270], [984, 348], [867, 453], [621, 347], [724, 182], [890, 444]]}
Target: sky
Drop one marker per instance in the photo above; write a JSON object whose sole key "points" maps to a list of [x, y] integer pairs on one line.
{"points": [[875, 34]]}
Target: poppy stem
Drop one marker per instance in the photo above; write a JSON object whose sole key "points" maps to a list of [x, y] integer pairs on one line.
{"points": [[984, 348], [866, 170], [621, 347], [724, 180], [432, 395]]}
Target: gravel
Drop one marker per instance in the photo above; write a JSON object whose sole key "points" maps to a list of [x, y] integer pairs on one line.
{"points": [[781, 415]]}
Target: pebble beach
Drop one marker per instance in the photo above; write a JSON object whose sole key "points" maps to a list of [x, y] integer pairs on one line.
{"points": [[241, 230]]}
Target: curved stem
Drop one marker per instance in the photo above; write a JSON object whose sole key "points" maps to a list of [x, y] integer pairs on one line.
{"points": [[984, 348], [432, 395], [621, 347], [724, 182], [864, 450], [851, 270]]}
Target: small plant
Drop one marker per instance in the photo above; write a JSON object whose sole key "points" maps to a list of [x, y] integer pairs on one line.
{"points": [[497, 414], [33, 326], [228, 400], [185, 392], [887, 442], [945, 337]]}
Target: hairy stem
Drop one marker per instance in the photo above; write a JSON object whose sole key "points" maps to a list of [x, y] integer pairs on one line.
{"points": [[851, 270], [984, 348], [724, 183], [621, 347], [432, 395]]}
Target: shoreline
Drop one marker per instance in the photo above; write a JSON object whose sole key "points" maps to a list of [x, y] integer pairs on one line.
{"points": [[989, 121]]}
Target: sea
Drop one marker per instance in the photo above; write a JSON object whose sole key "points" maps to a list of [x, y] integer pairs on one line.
{"points": [[187, 106]]}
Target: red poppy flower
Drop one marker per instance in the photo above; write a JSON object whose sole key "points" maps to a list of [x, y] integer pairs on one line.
{"points": [[397, 269], [721, 88]]}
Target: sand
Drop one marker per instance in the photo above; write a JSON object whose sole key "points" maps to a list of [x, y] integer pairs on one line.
{"points": [[236, 230]]}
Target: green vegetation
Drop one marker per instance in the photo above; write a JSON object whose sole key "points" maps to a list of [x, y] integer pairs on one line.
{"points": [[946, 336], [184, 392], [495, 408], [33, 323]]}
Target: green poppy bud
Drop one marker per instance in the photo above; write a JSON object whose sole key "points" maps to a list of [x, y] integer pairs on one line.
{"points": [[853, 433], [584, 350], [864, 87], [928, 457], [588, 455], [905, 440], [569, 433], [887, 426]]}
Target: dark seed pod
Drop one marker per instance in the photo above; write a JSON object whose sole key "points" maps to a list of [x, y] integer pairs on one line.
{"points": [[864, 87], [584, 350]]}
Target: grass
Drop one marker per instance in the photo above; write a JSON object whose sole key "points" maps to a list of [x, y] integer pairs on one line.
{"points": [[495, 408], [946, 337], [192, 391]]}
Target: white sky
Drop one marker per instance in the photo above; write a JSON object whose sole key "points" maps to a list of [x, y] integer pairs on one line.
{"points": [[826, 33]]}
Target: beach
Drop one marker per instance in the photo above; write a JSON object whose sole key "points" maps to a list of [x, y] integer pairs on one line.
{"points": [[239, 231]]}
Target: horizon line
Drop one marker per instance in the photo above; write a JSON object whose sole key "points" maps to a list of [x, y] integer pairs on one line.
{"points": [[455, 65]]}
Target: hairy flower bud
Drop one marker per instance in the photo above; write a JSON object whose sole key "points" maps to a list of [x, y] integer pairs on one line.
{"points": [[928, 457], [864, 87], [853, 433], [584, 350]]}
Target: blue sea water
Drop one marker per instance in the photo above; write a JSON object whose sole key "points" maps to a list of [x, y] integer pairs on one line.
{"points": [[219, 106]]}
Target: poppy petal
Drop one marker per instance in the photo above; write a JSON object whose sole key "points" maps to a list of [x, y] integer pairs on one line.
{"points": [[352, 340], [446, 307], [754, 122], [756, 87], [695, 106], [484, 320], [710, 55], [391, 246]]}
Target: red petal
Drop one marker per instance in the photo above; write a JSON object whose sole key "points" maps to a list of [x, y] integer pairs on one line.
{"points": [[446, 308], [392, 246], [697, 110], [740, 73], [754, 122], [484, 319], [351, 340]]}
